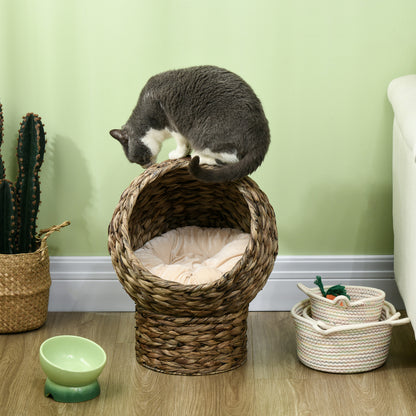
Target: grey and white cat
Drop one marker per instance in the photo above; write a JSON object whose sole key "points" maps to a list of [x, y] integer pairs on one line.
{"points": [[208, 110]]}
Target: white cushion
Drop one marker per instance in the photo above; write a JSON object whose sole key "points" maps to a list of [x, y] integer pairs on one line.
{"points": [[193, 255]]}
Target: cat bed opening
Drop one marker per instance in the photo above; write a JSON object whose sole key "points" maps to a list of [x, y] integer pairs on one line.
{"points": [[193, 255], [186, 328]]}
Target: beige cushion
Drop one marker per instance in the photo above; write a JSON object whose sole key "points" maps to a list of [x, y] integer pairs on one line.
{"points": [[193, 255]]}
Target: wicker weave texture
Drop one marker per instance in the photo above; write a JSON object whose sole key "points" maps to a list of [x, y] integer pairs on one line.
{"points": [[166, 197], [24, 286], [24, 290], [191, 345]]}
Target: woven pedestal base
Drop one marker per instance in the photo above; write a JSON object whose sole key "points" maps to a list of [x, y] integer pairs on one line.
{"points": [[191, 345]]}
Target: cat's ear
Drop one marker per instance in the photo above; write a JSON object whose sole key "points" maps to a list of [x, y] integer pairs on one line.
{"points": [[120, 135]]}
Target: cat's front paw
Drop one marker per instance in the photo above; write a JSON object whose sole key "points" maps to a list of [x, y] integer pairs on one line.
{"points": [[177, 154]]}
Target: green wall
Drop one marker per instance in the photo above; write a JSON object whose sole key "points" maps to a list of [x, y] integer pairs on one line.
{"points": [[321, 69]]}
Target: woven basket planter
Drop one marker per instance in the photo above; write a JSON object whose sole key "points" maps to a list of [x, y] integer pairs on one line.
{"points": [[24, 287], [343, 348], [191, 329], [365, 305]]}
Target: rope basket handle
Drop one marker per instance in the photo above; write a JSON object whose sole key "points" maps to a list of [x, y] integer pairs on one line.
{"points": [[47, 232], [325, 329], [339, 300]]}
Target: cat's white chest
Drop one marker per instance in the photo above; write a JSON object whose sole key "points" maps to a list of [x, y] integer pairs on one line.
{"points": [[153, 140]]}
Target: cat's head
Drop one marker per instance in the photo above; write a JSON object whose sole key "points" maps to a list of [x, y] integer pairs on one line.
{"points": [[136, 151]]}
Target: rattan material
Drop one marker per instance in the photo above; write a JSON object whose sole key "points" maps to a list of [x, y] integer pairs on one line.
{"points": [[191, 329], [365, 305], [24, 287], [343, 348], [199, 344]]}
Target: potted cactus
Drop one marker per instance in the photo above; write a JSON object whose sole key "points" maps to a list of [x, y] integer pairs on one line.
{"points": [[24, 258]]}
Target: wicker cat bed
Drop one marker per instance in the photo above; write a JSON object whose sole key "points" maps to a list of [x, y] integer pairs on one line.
{"points": [[191, 329]]}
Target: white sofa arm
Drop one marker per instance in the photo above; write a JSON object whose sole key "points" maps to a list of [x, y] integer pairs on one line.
{"points": [[402, 95]]}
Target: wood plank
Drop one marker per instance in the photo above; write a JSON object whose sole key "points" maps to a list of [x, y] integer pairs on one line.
{"points": [[272, 382]]}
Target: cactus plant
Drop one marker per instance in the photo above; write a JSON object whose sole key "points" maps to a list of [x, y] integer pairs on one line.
{"points": [[2, 172], [7, 209], [30, 151], [7, 217], [19, 203]]}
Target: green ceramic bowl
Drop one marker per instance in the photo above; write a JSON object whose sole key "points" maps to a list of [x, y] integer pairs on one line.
{"points": [[72, 361]]}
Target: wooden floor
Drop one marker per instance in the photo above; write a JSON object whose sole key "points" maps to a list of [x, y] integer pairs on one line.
{"points": [[272, 382]]}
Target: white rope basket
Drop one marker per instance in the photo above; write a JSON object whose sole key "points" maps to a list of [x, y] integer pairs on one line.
{"points": [[365, 305], [343, 348]]}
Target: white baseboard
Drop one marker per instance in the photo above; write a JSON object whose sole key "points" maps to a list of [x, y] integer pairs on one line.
{"points": [[90, 283]]}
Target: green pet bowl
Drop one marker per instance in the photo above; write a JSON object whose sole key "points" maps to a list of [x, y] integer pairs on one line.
{"points": [[72, 365]]}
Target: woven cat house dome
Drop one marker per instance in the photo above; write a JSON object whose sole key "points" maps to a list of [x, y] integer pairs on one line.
{"points": [[191, 329]]}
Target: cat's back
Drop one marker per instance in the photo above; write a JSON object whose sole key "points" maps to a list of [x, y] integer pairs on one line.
{"points": [[200, 84], [195, 77]]}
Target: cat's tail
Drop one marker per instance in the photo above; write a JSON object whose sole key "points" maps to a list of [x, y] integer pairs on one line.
{"points": [[233, 171]]}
